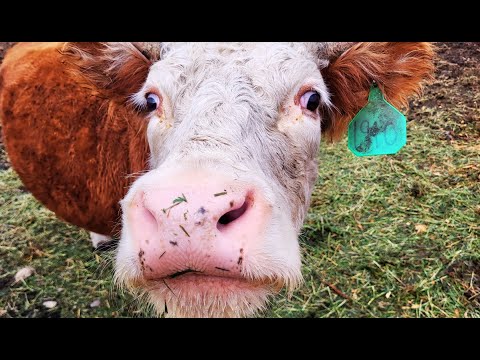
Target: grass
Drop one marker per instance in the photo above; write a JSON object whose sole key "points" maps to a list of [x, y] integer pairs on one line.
{"points": [[388, 236], [392, 238]]}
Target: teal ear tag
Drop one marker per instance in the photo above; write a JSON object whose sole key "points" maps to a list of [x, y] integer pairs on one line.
{"points": [[378, 129]]}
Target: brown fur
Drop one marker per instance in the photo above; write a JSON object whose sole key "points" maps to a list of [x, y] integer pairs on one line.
{"points": [[72, 147], [398, 67], [115, 70]]}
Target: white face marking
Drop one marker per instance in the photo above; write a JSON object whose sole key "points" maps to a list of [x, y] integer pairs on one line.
{"points": [[235, 107]]}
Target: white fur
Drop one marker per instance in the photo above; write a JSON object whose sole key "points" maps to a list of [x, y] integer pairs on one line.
{"points": [[98, 239], [230, 107]]}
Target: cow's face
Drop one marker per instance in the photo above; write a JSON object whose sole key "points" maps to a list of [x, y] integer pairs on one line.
{"points": [[233, 129]]}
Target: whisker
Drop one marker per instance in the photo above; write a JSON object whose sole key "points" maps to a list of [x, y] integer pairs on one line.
{"points": [[168, 287]]}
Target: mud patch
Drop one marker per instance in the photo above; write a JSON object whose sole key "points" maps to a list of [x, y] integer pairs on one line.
{"points": [[455, 93], [5, 282], [467, 273]]}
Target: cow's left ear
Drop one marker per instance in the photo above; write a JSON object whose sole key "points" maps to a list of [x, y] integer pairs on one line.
{"points": [[116, 69], [399, 68]]}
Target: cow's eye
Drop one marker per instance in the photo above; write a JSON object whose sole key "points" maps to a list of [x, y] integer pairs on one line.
{"points": [[153, 101], [310, 100]]}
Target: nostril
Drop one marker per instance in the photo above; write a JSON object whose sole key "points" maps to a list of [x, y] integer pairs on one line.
{"points": [[232, 215]]}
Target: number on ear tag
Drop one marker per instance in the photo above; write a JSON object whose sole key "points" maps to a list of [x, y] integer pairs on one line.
{"points": [[378, 128]]}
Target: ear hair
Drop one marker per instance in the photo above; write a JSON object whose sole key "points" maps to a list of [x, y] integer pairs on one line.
{"points": [[115, 70], [399, 68]]}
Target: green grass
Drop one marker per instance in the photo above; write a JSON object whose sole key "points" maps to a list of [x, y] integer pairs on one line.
{"points": [[389, 236], [66, 269], [361, 236]]}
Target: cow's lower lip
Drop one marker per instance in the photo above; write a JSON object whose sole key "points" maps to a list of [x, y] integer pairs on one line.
{"points": [[196, 295], [213, 281]]}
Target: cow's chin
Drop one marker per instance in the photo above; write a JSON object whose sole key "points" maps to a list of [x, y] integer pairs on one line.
{"points": [[196, 296]]}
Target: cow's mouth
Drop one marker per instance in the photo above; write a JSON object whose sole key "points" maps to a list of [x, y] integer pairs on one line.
{"points": [[193, 279], [193, 294], [183, 272]]}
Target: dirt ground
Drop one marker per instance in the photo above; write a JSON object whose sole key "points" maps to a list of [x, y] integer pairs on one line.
{"points": [[456, 86]]}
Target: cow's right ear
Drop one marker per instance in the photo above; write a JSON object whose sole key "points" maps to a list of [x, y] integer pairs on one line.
{"points": [[349, 69], [114, 70]]}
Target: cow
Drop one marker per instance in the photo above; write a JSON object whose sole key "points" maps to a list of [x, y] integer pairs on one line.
{"points": [[202, 157]]}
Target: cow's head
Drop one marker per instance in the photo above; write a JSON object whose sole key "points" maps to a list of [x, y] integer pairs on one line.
{"points": [[211, 229]]}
